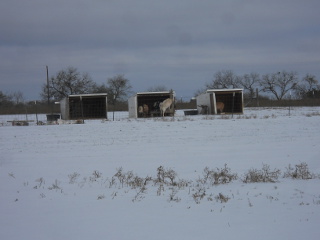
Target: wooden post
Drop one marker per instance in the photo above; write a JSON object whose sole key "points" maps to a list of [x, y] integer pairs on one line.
{"points": [[114, 105], [35, 103], [81, 105]]}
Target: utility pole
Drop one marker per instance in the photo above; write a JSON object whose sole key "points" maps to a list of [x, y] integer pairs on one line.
{"points": [[48, 90]]}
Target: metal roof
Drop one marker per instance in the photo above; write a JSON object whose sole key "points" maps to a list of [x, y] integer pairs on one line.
{"points": [[155, 93], [225, 90], [162, 92], [88, 95]]}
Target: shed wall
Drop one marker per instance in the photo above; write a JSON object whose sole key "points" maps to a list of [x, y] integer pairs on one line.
{"points": [[132, 105], [203, 103], [64, 108]]}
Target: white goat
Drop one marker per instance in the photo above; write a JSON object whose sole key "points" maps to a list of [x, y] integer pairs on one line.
{"points": [[165, 105], [140, 111]]}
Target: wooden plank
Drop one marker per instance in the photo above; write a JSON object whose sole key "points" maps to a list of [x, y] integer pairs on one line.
{"points": [[21, 121]]}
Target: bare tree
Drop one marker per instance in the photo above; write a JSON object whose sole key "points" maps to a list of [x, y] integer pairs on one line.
{"points": [[159, 88], [224, 79], [118, 88], [5, 100], [307, 86], [249, 82], [100, 88], [17, 97], [279, 84], [199, 92], [67, 82]]}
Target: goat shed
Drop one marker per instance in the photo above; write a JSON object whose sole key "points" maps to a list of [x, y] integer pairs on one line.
{"points": [[152, 100], [84, 106], [232, 99]]}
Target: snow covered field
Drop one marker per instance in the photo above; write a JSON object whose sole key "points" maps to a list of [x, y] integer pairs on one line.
{"points": [[72, 181]]}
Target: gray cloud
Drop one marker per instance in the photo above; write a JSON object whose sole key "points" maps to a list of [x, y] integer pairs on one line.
{"points": [[179, 44]]}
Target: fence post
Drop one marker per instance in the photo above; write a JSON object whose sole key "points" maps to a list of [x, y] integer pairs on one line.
{"points": [[289, 103], [114, 105], [35, 103]]}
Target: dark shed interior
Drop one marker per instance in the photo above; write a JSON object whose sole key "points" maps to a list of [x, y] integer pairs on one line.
{"points": [[87, 107], [153, 100], [232, 101]]}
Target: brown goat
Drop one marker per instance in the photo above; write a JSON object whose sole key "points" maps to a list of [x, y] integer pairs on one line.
{"points": [[220, 107], [145, 110]]}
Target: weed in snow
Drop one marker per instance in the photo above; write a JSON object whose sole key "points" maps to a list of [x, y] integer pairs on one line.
{"points": [[263, 175], [300, 171], [54, 186], [73, 177], [222, 198], [167, 183]]}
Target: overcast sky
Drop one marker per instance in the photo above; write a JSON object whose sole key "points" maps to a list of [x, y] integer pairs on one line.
{"points": [[178, 44]]}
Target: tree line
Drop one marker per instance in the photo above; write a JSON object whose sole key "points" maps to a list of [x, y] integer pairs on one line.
{"points": [[278, 86], [70, 81]]}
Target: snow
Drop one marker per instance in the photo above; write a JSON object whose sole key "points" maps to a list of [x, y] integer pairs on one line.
{"points": [[39, 201]]}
